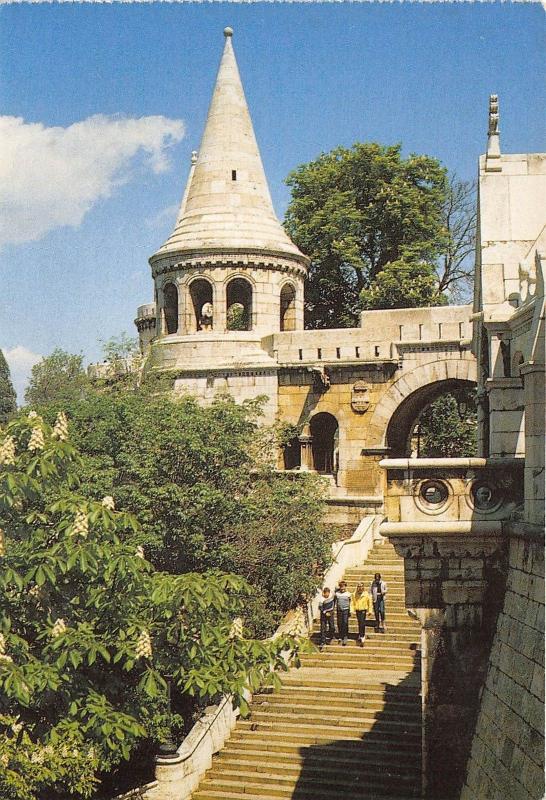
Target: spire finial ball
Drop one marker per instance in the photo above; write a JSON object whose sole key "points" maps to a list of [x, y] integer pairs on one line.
{"points": [[228, 32]]}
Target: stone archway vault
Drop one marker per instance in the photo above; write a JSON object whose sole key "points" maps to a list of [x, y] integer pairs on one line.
{"points": [[425, 381]]}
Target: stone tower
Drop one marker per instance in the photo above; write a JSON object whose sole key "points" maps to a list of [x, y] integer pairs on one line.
{"points": [[228, 275]]}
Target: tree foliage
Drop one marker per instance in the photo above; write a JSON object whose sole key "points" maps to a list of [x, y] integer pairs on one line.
{"points": [[403, 284], [202, 483], [59, 377], [368, 219], [8, 398], [355, 211], [91, 634], [448, 426]]}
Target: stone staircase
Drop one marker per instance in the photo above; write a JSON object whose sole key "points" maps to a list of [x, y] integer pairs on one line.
{"points": [[347, 724]]}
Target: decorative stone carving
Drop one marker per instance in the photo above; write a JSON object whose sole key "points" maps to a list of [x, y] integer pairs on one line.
{"points": [[493, 114], [360, 400]]}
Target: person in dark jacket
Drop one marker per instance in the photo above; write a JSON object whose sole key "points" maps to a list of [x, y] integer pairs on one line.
{"points": [[327, 604], [379, 590]]}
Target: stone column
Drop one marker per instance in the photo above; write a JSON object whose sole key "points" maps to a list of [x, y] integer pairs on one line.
{"points": [[306, 445], [534, 395]]}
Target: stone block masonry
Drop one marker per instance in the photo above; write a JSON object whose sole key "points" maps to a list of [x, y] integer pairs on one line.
{"points": [[507, 757]]}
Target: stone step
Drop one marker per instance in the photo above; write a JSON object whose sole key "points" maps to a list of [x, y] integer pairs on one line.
{"points": [[289, 753], [315, 762], [345, 728], [336, 713], [309, 777], [299, 700], [364, 660], [363, 794], [403, 639], [356, 694], [268, 739], [324, 681], [288, 789]]}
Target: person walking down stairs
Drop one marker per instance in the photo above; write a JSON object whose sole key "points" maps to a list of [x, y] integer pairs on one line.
{"points": [[327, 605], [343, 604], [379, 591], [361, 604]]}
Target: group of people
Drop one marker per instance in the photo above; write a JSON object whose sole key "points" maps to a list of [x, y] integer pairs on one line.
{"points": [[341, 603]]}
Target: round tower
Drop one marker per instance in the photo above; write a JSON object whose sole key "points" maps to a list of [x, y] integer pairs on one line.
{"points": [[228, 275]]}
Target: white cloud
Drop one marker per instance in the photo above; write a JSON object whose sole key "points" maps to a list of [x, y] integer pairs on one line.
{"points": [[166, 215], [20, 362], [50, 177]]}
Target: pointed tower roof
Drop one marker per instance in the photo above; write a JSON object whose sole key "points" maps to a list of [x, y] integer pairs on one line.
{"points": [[227, 204]]}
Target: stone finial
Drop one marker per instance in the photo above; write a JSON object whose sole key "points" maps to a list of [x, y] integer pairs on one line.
{"points": [[228, 32], [493, 114], [493, 161], [194, 156]]}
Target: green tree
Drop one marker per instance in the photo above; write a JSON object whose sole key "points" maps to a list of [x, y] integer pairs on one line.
{"points": [[91, 635], [202, 483], [403, 284], [59, 377], [354, 211], [448, 426], [8, 398]]}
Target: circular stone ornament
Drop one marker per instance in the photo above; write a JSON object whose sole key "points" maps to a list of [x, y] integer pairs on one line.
{"points": [[433, 496], [484, 497]]}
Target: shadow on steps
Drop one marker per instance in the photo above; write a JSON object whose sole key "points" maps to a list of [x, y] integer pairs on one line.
{"points": [[384, 764]]}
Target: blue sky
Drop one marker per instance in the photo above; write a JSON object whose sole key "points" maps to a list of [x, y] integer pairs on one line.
{"points": [[102, 105]]}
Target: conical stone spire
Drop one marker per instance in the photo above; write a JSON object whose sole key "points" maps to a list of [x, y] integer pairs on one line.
{"points": [[227, 205]]}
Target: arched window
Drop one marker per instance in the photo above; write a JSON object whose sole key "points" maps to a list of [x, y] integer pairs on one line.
{"points": [[202, 316], [170, 307], [325, 433], [239, 305], [288, 308]]}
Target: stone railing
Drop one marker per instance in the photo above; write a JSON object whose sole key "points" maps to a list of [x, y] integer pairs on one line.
{"points": [[179, 775], [450, 494]]}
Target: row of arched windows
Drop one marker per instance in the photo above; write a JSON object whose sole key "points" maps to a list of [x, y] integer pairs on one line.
{"points": [[239, 302]]}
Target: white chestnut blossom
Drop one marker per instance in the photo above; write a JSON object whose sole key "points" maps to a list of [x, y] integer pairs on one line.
{"points": [[108, 502], [144, 645], [236, 630], [36, 441], [58, 628], [81, 524], [60, 429], [7, 451]]}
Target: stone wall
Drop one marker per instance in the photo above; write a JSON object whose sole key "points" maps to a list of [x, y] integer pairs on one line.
{"points": [[507, 757]]}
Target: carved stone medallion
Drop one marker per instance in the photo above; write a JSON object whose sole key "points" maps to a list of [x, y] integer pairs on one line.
{"points": [[360, 399]]}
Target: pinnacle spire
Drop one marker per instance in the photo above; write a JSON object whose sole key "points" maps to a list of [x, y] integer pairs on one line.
{"points": [[227, 204]]}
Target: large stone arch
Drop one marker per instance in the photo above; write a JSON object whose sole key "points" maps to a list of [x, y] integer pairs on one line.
{"points": [[414, 390]]}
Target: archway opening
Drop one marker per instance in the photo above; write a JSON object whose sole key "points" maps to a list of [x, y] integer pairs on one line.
{"points": [[202, 308], [288, 308], [239, 305], [436, 421], [170, 307], [325, 433]]}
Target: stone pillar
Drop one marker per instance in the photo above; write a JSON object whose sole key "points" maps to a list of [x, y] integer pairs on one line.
{"points": [[306, 444], [534, 396], [506, 417]]}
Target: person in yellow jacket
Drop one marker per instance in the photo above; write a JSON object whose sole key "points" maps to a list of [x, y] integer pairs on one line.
{"points": [[361, 603]]}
